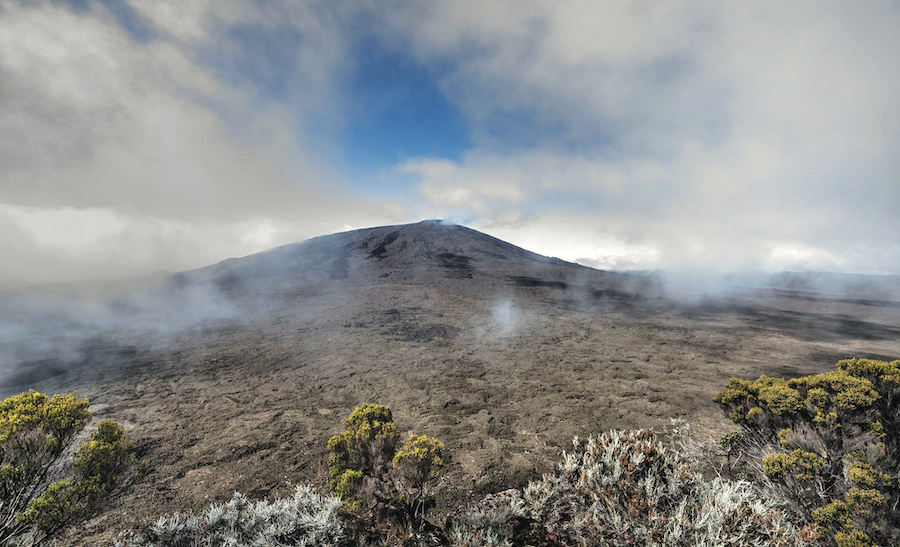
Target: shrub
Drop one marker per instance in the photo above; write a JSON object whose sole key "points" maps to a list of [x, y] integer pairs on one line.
{"points": [[831, 445], [363, 450], [105, 456], [724, 458], [415, 464], [304, 520], [625, 488], [497, 521], [378, 479], [35, 431]]}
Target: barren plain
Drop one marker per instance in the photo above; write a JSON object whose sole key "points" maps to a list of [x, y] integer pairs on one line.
{"points": [[243, 370]]}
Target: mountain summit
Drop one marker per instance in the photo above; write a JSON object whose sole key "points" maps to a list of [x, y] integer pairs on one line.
{"points": [[427, 251]]}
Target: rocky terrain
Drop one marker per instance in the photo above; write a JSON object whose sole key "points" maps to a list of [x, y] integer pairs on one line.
{"points": [[233, 377]]}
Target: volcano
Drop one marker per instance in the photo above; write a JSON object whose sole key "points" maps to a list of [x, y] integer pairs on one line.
{"points": [[425, 253], [234, 376]]}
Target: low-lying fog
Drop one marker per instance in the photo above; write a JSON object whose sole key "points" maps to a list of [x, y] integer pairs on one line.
{"points": [[46, 330]]}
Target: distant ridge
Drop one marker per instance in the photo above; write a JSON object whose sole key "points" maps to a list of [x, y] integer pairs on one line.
{"points": [[427, 249], [432, 250]]}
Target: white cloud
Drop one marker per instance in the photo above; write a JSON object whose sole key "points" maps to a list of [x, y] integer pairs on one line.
{"points": [[105, 244], [676, 134], [580, 237], [188, 20], [84, 228], [104, 121], [711, 132], [119, 156], [797, 256]]}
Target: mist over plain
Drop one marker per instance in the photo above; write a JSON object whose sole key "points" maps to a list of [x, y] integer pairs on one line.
{"points": [[234, 376], [46, 330]]}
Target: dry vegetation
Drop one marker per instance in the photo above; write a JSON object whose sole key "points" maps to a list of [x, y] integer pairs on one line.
{"points": [[502, 355]]}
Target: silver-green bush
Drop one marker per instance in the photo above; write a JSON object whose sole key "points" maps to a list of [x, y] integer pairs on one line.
{"points": [[624, 488], [304, 520], [490, 523]]}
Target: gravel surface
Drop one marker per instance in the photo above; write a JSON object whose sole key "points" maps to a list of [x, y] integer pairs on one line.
{"points": [[502, 354]]}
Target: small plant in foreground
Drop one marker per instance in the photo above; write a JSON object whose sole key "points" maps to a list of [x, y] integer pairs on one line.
{"points": [[379, 479], [304, 520], [832, 444], [35, 431], [496, 521]]}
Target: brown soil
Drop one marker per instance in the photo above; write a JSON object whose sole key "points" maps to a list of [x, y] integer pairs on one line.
{"points": [[501, 354]]}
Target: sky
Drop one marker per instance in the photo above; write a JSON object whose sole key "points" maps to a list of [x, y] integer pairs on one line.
{"points": [[146, 135]]}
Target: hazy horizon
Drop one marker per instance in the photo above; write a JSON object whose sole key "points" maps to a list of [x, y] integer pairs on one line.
{"points": [[145, 135], [680, 283]]}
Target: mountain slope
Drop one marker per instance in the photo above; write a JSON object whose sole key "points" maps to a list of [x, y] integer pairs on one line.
{"points": [[393, 253], [234, 376]]}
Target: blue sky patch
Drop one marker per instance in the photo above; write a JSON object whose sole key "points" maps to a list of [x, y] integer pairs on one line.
{"points": [[397, 111]]}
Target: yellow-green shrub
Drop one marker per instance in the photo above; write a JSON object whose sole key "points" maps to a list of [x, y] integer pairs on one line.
{"points": [[803, 466], [836, 438], [416, 463], [60, 416], [106, 455], [367, 443], [35, 430], [377, 479]]}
